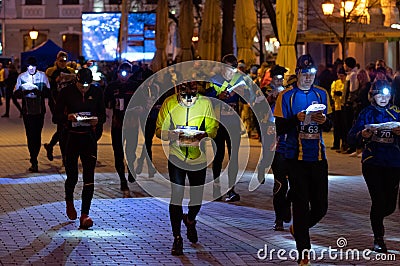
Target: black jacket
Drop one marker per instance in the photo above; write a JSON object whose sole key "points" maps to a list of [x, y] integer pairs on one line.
{"points": [[71, 100]]}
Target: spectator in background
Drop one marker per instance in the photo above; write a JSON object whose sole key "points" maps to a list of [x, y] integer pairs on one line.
{"points": [[326, 78], [350, 88], [361, 100], [266, 78], [260, 74], [381, 74], [242, 66], [3, 76], [380, 66], [337, 94], [338, 64], [380, 63], [370, 68], [364, 85], [10, 82], [253, 72]]}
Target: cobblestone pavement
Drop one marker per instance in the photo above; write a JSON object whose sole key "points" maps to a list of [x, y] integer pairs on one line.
{"points": [[136, 231]]}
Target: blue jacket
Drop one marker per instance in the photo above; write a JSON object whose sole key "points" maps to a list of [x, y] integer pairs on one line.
{"points": [[289, 103], [382, 148]]}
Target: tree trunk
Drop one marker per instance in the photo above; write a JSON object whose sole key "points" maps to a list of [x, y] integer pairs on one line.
{"points": [[272, 16], [227, 27]]}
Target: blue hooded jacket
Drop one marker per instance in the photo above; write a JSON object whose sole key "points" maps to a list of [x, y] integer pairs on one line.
{"points": [[382, 148]]}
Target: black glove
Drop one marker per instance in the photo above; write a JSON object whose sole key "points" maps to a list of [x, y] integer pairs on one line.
{"points": [[338, 93]]}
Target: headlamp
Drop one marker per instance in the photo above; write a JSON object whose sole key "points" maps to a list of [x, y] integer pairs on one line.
{"points": [[279, 76], [385, 91], [309, 70], [30, 67], [124, 73]]}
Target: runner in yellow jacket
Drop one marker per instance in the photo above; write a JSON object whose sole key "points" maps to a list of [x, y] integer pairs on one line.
{"points": [[184, 119]]}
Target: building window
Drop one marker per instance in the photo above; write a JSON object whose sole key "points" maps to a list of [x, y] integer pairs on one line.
{"points": [[33, 2], [70, 43], [70, 2], [114, 2]]}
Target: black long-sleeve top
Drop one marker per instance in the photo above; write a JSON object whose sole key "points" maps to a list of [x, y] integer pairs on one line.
{"points": [[71, 100]]}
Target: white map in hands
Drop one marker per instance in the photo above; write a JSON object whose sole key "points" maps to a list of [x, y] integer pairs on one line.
{"points": [[29, 86], [387, 125], [86, 118], [316, 107], [84, 121], [241, 83], [189, 132], [187, 137], [312, 109]]}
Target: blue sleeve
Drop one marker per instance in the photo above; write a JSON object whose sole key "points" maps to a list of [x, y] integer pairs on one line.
{"points": [[211, 92]]}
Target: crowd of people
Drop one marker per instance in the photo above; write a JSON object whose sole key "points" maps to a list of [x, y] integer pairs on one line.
{"points": [[360, 104]]}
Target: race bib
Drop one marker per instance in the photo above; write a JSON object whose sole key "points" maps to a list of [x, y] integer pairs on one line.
{"points": [[383, 136], [309, 132]]}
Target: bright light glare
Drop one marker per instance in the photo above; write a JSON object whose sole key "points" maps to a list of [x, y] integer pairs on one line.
{"points": [[348, 6], [395, 26], [94, 233], [385, 91]]}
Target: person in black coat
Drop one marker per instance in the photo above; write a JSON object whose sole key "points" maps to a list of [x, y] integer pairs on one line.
{"points": [[10, 84], [80, 108]]}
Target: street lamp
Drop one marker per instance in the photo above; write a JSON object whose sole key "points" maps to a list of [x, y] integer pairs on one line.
{"points": [[345, 11], [34, 35], [327, 7]]}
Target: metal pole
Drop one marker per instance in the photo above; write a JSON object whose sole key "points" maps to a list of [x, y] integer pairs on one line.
{"points": [[123, 29], [344, 38], [261, 34]]}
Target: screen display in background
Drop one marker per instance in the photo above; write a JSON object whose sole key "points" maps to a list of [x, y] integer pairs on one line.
{"points": [[100, 36]]}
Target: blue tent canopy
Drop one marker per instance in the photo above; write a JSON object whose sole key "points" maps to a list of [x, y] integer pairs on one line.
{"points": [[45, 54]]}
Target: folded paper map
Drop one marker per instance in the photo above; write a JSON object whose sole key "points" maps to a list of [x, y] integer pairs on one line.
{"points": [[316, 107], [187, 137], [29, 86], [387, 125], [312, 109]]}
